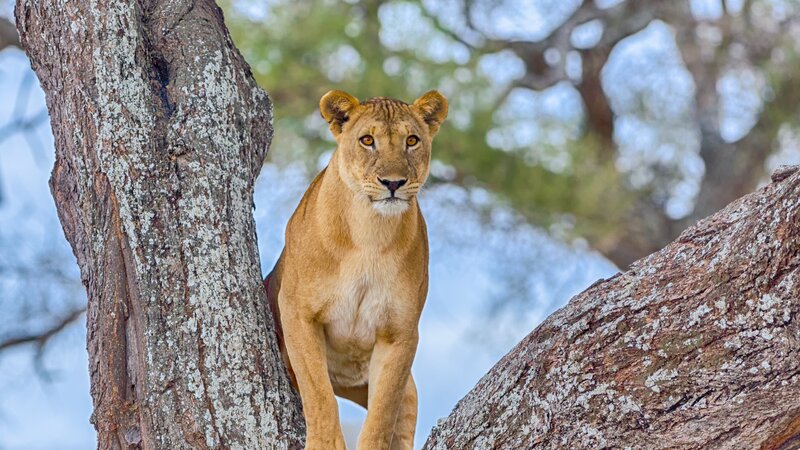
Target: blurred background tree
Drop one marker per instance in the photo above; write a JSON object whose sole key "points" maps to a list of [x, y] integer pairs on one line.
{"points": [[610, 124], [40, 290], [617, 122]]}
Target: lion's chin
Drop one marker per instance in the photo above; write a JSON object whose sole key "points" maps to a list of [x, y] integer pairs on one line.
{"points": [[390, 206]]}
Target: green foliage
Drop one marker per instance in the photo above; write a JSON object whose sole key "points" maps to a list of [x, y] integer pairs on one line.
{"points": [[300, 49]]}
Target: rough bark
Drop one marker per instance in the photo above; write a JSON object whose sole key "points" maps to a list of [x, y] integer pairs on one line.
{"points": [[696, 347], [160, 132]]}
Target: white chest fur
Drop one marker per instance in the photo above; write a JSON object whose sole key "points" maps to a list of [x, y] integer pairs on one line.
{"points": [[360, 306]]}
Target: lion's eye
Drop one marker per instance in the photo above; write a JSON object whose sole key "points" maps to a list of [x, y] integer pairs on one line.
{"points": [[367, 140], [412, 141]]}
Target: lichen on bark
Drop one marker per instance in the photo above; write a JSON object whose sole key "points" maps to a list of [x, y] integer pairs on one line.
{"points": [[160, 133]]}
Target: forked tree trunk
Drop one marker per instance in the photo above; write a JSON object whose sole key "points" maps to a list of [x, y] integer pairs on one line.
{"points": [[160, 132], [696, 347]]}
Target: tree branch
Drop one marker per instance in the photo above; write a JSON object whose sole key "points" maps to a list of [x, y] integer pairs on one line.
{"points": [[41, 338], [695, 347], [8, 34], [619, 22], [735, 168]]}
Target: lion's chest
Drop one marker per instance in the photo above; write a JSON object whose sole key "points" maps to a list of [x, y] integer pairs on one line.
{"points": [[361, 305]]}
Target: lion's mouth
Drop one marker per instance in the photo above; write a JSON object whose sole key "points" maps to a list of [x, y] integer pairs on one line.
{"points": [[388, 200], [390, 206]]}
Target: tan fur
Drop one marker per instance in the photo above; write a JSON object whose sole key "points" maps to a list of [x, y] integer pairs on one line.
{"points": [[352, 279]]}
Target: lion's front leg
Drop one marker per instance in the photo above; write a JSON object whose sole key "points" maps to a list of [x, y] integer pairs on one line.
{"points": [[406, 419], [305, 344], [389, 372]]}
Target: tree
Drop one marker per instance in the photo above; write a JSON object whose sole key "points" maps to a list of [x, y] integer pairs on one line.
{"points": [[160, 133], [750, 38], [454, 46], [694, 347], [356, 46], [8, 34]]}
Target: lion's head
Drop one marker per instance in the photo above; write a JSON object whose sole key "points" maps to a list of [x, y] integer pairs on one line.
{"points": [[384, 145]]}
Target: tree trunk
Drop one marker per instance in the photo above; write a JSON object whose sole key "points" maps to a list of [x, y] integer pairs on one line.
{"points": [[696, 347], [160, 132]]}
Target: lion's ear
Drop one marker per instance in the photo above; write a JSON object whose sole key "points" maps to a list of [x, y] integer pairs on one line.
{"points": [[335, 107], [433, 108]]}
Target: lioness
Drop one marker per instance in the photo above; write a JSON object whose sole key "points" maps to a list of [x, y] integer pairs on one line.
{"points": [[350, 284]]}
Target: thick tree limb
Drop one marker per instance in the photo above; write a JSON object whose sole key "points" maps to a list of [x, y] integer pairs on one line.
{"points": [[696, 347], [160, 132]]}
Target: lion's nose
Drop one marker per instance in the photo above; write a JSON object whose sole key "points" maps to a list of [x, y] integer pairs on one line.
{"points": [[392, 185]]}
